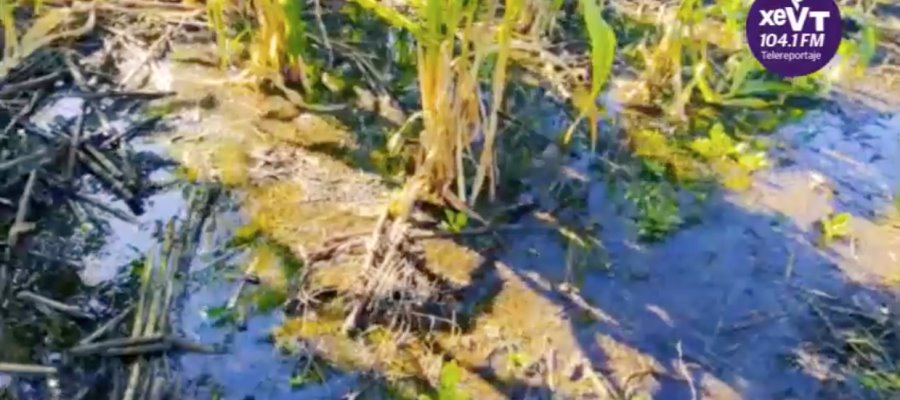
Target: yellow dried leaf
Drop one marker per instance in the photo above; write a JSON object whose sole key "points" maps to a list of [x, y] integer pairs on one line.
{"points": [[39, 33]]}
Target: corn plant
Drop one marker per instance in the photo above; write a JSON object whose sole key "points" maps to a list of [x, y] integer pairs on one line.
{"points": [[461, 45], [603, 46], [215, 13], [277, 42], [456, 42], [453, 39], [7, 19]]}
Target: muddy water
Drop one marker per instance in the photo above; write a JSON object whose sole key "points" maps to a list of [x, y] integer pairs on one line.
{"points": [[123, 241], [117, 242], [104, 250], [223, 141], [721, 302], [724, 298]]}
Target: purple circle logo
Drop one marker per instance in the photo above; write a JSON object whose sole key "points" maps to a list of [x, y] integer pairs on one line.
{"points": [[794, 37]]}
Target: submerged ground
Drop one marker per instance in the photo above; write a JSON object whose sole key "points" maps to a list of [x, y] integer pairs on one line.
{"points": [[726, 299], [721, 309], [742, 302]]}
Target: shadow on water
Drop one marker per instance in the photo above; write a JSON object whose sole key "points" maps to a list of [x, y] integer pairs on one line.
{"points": [[733, 290], [729, 302], [727, 308]]}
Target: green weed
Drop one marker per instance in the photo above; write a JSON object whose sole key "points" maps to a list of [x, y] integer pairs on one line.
{"points": [[454, 221], [312, 375], [717, 145], [267, 299], [732, 161], [448, 384], [657, 211], [221, 316], [834, 227]]}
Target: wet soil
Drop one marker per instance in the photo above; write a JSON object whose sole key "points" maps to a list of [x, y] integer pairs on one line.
{"points": [[719, 310]]}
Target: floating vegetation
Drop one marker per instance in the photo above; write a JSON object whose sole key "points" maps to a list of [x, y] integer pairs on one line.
{"points": [[448, 385]]}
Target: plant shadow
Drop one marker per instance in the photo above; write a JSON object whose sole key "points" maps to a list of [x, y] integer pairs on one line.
{"points": [[743, 304]]}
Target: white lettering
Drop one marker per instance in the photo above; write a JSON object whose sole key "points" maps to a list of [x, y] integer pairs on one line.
{"points": [[779, 17], [797, 23], [820, 16], [766, 17]]}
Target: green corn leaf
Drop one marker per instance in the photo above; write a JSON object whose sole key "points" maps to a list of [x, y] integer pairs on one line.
{"points": [[741, 69], [709, 95], [762, 87], [747, 102], [603, 44], [295, 40], [433, 18], [394, 17]]}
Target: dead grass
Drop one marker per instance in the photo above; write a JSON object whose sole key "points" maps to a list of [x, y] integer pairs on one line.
{"points": [[857, 338]]}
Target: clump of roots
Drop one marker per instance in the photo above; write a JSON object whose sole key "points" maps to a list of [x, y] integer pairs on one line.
{"points": [[392, 285], [395, 287]]}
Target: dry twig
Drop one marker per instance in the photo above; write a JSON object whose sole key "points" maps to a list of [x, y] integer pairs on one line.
{"points": [[69, 309], [31, 369]]}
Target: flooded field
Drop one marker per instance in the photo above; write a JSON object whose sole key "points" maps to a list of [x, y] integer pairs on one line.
{"points": [[734, 298], [202, 232], [724, 308]]}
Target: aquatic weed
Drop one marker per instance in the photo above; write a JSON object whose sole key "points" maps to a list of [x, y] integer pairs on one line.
{"points": [[221, 316]]}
